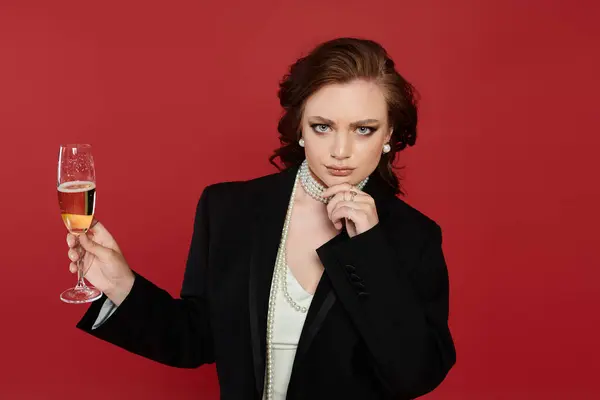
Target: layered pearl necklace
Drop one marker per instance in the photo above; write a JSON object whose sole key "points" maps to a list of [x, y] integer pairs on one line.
{"points": [[279, 280], [314, 190]]}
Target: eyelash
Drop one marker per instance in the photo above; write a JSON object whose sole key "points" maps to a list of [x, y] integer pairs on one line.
{"points": [[370, 128], [314, 127]]}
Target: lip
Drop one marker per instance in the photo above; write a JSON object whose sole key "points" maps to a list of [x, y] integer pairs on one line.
{"points": [[339, 171]]}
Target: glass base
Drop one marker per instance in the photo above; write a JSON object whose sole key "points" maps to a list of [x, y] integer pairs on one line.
{"points": [[85, 294]]}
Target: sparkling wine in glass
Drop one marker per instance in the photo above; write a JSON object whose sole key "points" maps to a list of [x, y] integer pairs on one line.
{"points": [[77, 200]]}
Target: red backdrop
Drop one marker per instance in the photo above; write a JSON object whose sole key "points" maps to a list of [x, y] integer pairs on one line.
{"points": [[176, 95]]}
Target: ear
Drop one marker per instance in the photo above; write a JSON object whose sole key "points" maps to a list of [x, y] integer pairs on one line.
{"points": [[388, 136]]}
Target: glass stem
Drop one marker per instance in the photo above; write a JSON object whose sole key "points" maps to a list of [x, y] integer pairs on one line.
{"points": [[80, 281]]}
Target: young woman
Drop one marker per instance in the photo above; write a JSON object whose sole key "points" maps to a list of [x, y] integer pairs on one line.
{"points": [[316, 282]]}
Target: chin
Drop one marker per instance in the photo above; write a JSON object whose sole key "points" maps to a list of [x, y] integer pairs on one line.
{"points": [[331, 180]]}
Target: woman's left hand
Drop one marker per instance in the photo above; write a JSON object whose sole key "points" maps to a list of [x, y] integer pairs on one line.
{"points": [[353, 205]]}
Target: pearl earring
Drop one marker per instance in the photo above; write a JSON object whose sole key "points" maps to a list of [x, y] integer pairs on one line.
{"points": [[301, 142], [387, 148]]}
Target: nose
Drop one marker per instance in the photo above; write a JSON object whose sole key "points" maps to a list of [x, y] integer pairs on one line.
{"points": [[341, 148]]}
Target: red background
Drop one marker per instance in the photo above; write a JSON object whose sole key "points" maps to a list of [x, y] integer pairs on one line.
{"points": [[176, 95]]}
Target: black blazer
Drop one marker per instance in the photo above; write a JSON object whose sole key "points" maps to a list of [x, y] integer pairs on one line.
{"points": [[377, 326]]}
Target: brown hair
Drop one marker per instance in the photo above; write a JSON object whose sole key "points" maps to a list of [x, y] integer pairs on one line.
{"points": [[340, 61]]}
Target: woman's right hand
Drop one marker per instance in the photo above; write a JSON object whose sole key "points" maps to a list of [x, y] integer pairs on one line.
{"points": [[103, 263]]}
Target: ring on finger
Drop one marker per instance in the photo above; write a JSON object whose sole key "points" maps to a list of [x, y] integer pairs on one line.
{"points": [[352, 195]]}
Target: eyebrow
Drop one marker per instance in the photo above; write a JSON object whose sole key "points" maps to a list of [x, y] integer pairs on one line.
{"points": [[362, 122]]}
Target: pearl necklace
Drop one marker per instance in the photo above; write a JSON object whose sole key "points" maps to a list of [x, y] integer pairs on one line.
{"points": [[279, 279], [313, 188]]}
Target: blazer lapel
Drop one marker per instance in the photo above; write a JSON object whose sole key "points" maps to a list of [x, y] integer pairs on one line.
{"points": [[272, 201], [322, 301]]}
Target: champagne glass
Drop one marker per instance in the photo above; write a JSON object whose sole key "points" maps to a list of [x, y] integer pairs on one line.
{"points": [[77, 199]]}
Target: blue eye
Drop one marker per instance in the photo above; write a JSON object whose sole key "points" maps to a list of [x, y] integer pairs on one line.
{"points": [[320, 128], [365, 130]]}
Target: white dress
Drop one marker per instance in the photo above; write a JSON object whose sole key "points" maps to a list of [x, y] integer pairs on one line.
{"points": [[287, 327]]}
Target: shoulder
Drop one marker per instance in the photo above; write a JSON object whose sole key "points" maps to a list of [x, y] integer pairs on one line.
{"points": [[403, 214], [227, 193], [242, 187]]}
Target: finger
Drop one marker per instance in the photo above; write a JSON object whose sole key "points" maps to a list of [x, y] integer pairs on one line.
{"points": [[338, 222], [98, 230], [352, 204], [94, 223], [71, 240], [94, 248], [73, 255], [349, 204], [355, 215], [360, 197], [332, 204], [335, 189], [72, 268], [340, 216]]}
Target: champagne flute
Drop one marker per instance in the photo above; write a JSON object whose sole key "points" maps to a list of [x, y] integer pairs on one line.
{"points": [[77, 199]]}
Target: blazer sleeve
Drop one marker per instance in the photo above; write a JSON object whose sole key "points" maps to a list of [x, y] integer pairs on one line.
{"points": [[400, 311], [153, 324]]}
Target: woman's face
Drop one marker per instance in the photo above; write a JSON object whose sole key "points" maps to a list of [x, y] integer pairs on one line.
{"points": [[344, 127]]}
